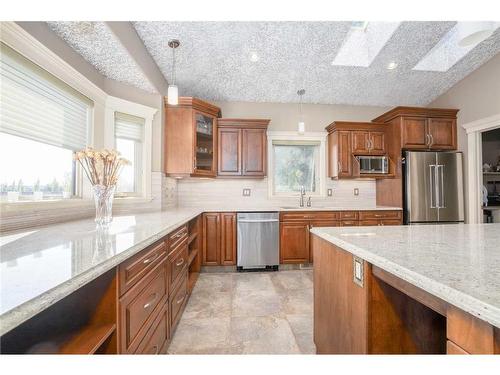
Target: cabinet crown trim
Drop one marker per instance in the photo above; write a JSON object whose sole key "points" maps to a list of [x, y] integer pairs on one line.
{"points": [[243, 123], [416, 111], [352, 125], [195, 103]]}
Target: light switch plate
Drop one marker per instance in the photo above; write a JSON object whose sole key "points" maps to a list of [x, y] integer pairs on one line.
{"points": [[358, 265], [329, 192], [247, 192], [356, 191]]}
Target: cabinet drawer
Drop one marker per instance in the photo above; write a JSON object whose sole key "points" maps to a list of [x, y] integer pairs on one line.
{"points": [[348, 223], [157, 336], [177, 262], [349, 215], [176, 237], [376, 215], [138, 304], [390, 222], [178, 300], [368, 223], [133, 269], [311, 215]]}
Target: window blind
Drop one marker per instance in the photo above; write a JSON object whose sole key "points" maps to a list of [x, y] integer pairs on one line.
{"points": [[36, 105], [129, 127]]}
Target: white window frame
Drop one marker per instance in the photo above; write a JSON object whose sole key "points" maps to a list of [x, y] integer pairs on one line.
{"points": [[284, 136], [114, 104]]}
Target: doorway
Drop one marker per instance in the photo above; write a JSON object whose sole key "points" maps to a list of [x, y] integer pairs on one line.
{"points": [[490, 150]]}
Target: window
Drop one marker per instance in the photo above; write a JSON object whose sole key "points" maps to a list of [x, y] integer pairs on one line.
{"points": [[129, 136], [42, 122], [296, 164]]}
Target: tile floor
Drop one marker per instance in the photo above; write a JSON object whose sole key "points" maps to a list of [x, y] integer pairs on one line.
{"points": [[248, 313]]}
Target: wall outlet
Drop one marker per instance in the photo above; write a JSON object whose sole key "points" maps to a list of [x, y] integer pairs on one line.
{"points": [[356, 191], [247, 192], [329, 192]]}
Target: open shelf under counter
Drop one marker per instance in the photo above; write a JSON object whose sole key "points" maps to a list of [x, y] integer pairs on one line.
{"points": [[89, 340]]}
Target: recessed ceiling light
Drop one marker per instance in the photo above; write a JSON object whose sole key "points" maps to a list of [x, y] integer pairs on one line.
{"points": [[254, 57], [455, 44], [362, 45], [392, 65]]}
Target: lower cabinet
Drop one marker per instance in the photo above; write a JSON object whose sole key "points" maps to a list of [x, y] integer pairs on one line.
{"points": [[219, 239], [294, 242], [295, 225]]}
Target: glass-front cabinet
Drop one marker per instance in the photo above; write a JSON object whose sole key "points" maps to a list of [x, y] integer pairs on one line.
{"points": [[205, 145], [191, 138]]}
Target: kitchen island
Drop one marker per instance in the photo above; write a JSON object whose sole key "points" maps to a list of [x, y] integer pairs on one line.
{"points": [[430, 289]]}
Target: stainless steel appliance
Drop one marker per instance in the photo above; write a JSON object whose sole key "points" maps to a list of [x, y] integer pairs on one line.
{"points": [[373, 164], [258, 240], [433, 187]]}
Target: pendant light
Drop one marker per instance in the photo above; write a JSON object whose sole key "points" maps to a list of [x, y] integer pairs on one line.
{"points": [[302, 125], [173, 90]]}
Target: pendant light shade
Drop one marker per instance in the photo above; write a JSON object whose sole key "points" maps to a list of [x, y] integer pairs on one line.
{"points": [[173, 95], [302, 125], [173, 90]]}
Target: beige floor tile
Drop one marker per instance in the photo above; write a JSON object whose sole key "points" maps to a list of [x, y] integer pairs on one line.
{"points": [[302, 328], [200, 335], [214, 282], [253, 281], [291, 280], [208, 304], [263, 335], [298, 301], [248, 303]]}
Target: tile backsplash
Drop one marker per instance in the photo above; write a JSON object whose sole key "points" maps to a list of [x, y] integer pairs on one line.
{"points": [[229, 192]]}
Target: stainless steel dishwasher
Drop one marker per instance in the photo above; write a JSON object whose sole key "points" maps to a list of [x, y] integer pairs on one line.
{"points": [[258, 241]]}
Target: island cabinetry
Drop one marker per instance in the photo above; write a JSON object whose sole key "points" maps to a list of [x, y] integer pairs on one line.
{"points": [[219, 239], [242, 150], [191, 138]]}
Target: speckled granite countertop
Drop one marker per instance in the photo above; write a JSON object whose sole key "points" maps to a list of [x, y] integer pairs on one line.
{"points": [[42, 265], [458, 263]]}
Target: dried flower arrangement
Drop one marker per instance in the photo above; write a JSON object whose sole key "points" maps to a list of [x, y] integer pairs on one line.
{"points": [[101, 167]]}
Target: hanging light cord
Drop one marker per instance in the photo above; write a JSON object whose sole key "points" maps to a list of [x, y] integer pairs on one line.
{"points": [[173, 66]]}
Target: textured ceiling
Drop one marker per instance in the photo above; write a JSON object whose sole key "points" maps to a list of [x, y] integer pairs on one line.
{"points": [[99, 46], [214, 62]]}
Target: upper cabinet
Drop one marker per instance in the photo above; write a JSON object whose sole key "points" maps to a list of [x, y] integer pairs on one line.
{"points": [[415, 128], [191, 138], [242, 147], [346, 140]]}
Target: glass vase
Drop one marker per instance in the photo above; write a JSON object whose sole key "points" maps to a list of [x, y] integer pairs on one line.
{"points": [[103, 197]]}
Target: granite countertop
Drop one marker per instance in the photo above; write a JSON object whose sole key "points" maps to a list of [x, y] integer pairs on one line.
{"points": [[42, 265], [459, 263]]}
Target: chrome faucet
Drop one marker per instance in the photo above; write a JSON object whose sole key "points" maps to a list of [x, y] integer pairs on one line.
{"points": [[309, 201], [302, 194]]}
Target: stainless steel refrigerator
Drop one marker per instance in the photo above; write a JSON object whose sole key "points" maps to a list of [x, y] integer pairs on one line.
{"points": [[433, 187]]}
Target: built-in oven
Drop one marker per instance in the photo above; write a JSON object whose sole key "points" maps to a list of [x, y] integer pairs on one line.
{"points": [[373, 164]]}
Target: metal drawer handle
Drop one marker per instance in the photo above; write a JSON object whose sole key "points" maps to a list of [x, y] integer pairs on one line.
{"points": [[149, 260], [180, 262], [148, 304], [179, 301], [178, 235]]}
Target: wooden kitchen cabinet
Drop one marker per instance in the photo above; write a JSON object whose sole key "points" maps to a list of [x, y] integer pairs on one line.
{"points": [[294, 242], [242, 150], [219, 239], [348, 139], [191, 138]]}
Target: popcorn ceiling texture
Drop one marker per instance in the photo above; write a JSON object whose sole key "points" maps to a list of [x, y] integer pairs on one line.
{"points": [[100, 47], [213, 62]]}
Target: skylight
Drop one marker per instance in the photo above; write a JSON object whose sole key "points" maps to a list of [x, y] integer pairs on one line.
{"points": [[448, 51], [362, 45]]}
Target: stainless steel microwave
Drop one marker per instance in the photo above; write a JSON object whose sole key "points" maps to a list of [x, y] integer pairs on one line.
{"points": [[373, 164]]}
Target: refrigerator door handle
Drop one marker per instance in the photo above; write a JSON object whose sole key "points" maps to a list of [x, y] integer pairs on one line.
{"points": [[440, 170], [432, 185]]}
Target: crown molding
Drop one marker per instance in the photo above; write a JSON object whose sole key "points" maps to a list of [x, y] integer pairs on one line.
{"points": [[483, 124]]}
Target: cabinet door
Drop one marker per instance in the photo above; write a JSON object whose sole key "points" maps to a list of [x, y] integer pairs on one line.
{"points": [[344, 154], [443, 132], [360, 141], [377, 143], [254, 152], [414, 133], [228, 239], [229, 155], [211, 239], [294, 242], [205, 144]]}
